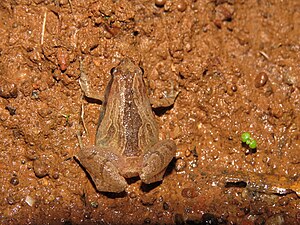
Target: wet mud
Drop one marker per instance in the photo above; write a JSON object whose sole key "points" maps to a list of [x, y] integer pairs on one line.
{"points": [[231, 66]]}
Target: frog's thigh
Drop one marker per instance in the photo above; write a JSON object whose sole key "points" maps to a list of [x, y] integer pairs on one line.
{"points": [[156, 160], [103, 172]]}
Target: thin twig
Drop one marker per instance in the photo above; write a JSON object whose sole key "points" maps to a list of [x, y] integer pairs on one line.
{"points": [[264, 55], [71, 6], [82, 118], [43, 27]]}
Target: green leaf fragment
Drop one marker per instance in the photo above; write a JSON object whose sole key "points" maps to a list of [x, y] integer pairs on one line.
{"points": [[252, 144], [245, 136]]}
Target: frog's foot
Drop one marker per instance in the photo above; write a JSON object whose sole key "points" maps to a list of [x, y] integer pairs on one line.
{"points": [[102, 171], [156, 161], [155, 178], [111, 180], [84, 83]]}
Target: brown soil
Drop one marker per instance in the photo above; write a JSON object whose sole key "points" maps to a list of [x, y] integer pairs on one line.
{"points": [[236, 66]]}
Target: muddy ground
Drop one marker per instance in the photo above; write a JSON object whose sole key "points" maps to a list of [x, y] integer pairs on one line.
{"points": [[235, 64]]}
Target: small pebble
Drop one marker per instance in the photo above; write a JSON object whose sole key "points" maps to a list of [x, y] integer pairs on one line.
{"points": [[181, 7], [261, 79], [14, 181], [55, 175], [180, 165], [218, 23], [135, 33], [63, 59], [44, 112], [29, 200], [166, 206], [160, 3], [10, 200], [234, 88], [8, 89], [40, 168], [187, 153], [15, 25]]}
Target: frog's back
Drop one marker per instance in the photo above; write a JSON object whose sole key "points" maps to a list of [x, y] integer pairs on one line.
{"points": [[128, 124]]}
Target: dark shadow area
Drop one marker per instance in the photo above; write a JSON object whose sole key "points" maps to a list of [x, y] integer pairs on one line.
{"points": [[162, 110], [248, 150], [132, 180], [93, 100], [149, 187], [239, 184], [170, 167], [114, 195]]}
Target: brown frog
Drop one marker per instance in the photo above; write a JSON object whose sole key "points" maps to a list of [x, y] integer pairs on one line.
{"points": [[127, 143]]}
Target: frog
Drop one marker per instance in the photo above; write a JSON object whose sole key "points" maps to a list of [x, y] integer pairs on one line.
{"points": [[127, 138]]}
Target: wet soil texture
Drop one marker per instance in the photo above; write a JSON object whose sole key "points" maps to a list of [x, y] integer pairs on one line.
{"points": [[235, 67]]}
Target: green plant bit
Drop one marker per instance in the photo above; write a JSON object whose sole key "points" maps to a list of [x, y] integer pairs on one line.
{"points": [[67, 116], [245, 136], [252, 144]]}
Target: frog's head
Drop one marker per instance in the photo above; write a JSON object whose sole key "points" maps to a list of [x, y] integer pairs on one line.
{"points": [[126, 70]]}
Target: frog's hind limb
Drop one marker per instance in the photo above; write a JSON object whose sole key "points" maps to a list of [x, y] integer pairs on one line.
{"points": [[156, 160], [101, 168]]}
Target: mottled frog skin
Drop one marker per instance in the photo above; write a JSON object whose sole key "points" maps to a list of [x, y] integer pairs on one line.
{"points": [[127, 143]]}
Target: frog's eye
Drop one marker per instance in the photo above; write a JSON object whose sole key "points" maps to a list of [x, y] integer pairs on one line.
{"points": [[113, 70]]}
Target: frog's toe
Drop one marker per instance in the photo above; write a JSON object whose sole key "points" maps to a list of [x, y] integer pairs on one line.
{"points": [[151, 172], [156, 160], [111, 180], [153, 178]]}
